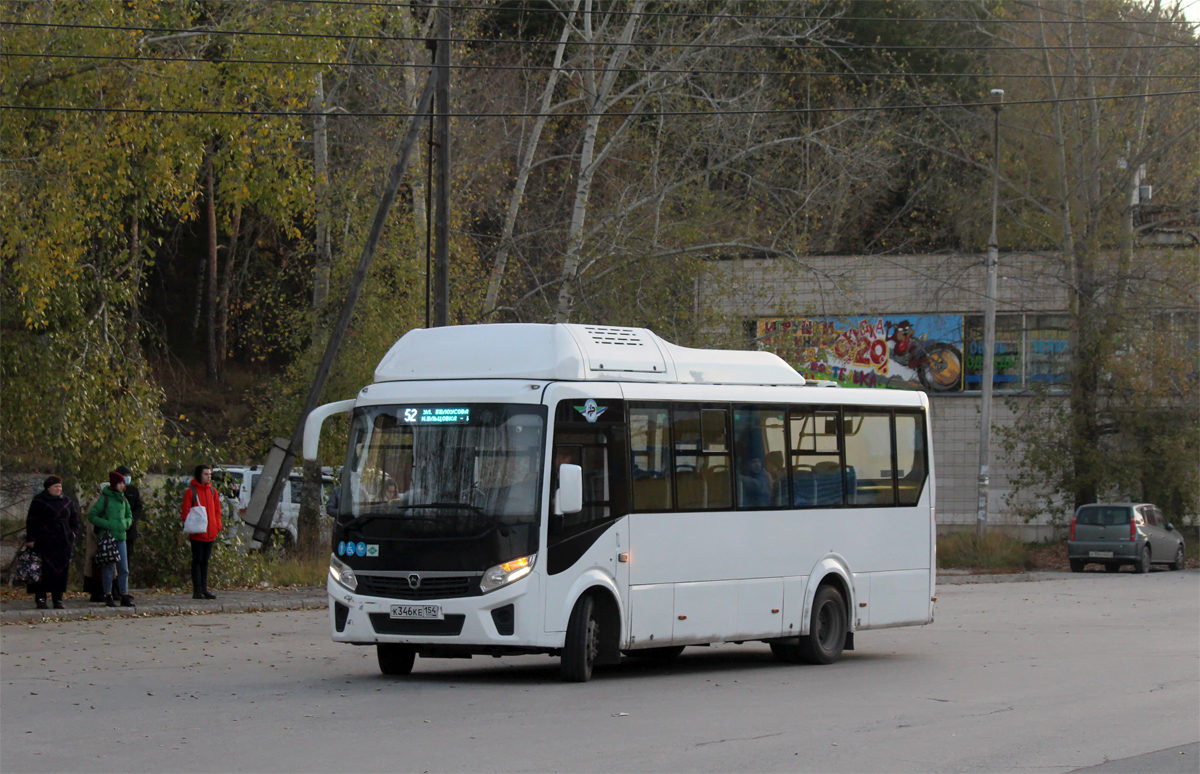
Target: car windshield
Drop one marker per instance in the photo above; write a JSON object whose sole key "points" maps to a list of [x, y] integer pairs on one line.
{"points": [[445, 471], [1104, 515]]}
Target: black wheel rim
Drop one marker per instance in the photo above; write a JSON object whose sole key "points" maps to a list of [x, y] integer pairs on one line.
{"points": [[825, 625], [592, 643]]}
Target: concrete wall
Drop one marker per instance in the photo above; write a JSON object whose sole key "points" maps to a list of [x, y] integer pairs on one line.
{"points": [[910, 284], [955, 420]]}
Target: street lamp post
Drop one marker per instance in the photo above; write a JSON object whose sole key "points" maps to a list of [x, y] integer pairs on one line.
{"points": [[989, 330]]}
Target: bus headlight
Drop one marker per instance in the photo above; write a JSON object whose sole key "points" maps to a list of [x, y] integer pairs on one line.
{"points": [[341, 572], [504, 574]]}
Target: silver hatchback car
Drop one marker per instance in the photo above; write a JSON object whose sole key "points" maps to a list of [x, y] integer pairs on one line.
{"points": [[1113, 534]]}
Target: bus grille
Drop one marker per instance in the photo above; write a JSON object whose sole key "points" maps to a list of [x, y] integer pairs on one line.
{"points": [[430, 588], [385, 624]]}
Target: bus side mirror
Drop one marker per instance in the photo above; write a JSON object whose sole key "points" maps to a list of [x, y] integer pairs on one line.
{"points": [[569, 498]]}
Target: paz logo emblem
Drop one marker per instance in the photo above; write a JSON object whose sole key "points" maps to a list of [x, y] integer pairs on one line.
{"points": [[591, 412], [414, 581]]}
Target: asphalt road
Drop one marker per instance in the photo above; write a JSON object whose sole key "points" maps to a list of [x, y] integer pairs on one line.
{"points": [[1048, 676]]}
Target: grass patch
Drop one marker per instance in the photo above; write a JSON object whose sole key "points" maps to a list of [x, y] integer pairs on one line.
{"points": [[298, 571], [994, 551]]}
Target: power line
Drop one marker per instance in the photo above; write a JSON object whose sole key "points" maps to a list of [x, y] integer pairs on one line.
{"points": [[611, 114], [838, 46], [547, 68], [752, 17]]}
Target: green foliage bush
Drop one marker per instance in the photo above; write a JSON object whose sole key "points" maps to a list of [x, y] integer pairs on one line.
{"points": [[162, 556]]}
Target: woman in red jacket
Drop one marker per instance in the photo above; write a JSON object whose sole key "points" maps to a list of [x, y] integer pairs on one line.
{"points": [[202, 492]]}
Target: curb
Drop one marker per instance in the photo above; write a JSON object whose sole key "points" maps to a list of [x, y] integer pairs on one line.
{"points": [[160, 608], [964, 579]]}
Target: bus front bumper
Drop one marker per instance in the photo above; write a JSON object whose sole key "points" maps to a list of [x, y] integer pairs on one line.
{"points": [[506, 618]]}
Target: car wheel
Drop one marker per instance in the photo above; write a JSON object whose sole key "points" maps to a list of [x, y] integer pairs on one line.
{"points": [[395, 659], [1143, 564], [1112, 567], [826, 630], [582, 643], [1077, 565], [1178, 564]]}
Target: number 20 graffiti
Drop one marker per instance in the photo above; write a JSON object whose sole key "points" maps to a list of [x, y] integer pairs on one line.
{"points": [[865, 345]]}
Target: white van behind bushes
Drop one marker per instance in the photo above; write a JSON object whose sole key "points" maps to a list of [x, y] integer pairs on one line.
{"points": [[236, 484]]}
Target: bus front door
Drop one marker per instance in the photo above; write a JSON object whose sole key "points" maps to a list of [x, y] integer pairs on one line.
{"points": [[583, 549]]}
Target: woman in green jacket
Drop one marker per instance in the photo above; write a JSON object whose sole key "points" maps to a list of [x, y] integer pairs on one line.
{"points": [[112, 514]]}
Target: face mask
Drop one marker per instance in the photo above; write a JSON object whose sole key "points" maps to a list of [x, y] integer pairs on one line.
{"points": [[129, 479]]}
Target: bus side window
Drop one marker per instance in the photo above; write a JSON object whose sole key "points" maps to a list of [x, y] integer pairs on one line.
{"points": [[817, 476], [911, 467], [650, 452], [701, 458], [869, 455], [761, 448]]}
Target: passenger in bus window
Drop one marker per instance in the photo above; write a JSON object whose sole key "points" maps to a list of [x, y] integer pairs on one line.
{"points": [[756, 484]]}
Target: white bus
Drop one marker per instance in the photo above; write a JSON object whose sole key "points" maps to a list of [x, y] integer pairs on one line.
{"points": [[588, 492]]}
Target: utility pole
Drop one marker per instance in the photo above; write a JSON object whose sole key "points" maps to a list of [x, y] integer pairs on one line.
{"points": [[262, 532], [441, 272], [989, 330], [321, 186], [432, 45], [308, 522]]}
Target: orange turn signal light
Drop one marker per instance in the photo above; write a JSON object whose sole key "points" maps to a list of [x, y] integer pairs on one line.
{"points": [[515, 564]]}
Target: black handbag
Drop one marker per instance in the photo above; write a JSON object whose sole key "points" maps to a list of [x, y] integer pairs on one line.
{"points": [[106, 549]]}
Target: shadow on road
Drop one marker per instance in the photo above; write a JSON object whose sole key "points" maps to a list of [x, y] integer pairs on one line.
{"points": [[693, 661]]}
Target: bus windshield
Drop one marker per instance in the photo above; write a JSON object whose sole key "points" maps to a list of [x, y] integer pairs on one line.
{"points": [[444, 471]]}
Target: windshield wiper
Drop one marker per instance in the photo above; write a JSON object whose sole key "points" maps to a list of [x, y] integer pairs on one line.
{"points": [[500, 525], [359, 521], [467, 506]]}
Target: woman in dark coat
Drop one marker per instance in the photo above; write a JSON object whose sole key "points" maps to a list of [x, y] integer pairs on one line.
{"points": [[50, 530]]}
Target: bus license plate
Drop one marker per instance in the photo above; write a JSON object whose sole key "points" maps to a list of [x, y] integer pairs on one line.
{"points": [[428, 612], [1100, 554]]}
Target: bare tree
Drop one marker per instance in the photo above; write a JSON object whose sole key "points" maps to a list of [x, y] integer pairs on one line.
{"points": [[1088, 123]]}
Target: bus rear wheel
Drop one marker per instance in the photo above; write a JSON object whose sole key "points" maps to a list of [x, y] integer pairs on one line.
{"points": [[826, 630], [582, 643], [395, 659]]}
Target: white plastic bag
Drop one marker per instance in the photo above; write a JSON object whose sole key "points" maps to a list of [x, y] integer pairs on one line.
{"points": [[197, 519]]}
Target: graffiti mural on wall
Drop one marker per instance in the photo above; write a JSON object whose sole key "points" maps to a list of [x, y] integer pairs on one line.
{"points": [[915, 352]]}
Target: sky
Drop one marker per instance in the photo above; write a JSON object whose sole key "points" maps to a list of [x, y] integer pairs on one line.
{"points": [[1192, 11]]}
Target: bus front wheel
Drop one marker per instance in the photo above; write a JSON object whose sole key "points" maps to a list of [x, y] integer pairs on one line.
{"points": [[395, 659], [827, 629], [582, 643]]}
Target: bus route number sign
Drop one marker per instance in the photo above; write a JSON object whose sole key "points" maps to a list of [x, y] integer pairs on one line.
{"points": [[440, 415]]}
